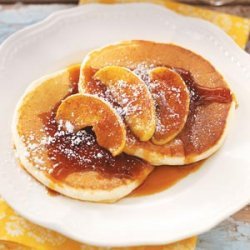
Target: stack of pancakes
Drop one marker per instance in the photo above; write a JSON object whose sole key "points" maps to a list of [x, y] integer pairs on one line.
{"points": [[96, 131]]}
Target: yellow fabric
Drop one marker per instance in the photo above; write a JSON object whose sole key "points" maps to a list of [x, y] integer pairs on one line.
{"points": [[18, 233]]}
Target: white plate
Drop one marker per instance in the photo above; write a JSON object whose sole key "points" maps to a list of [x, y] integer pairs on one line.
{"points": [[192, 206]]}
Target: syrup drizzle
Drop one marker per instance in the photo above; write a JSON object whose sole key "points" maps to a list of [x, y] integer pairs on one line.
{"points": [[79, 152], [201, 95]]}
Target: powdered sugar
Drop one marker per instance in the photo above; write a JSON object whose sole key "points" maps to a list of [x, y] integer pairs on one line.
{"points": [[61, 152], [69, 127], [142, 71]]}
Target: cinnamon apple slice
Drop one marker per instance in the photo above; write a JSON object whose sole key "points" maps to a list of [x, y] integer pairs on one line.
{"points": [[172, 99], [133, 96], [80, 111]]}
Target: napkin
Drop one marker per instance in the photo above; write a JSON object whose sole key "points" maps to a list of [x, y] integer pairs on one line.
{"points": [[19, 234], [17, 231]]}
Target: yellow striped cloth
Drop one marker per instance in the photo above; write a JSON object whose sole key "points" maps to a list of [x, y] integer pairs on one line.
{"points": [[19, 234]]}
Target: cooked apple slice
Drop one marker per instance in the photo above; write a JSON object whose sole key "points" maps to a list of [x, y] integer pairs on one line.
{"points": [[80, 111], [132, 94], [172, 99]]}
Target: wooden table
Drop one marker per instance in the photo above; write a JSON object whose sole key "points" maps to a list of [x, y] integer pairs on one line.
{"points": [[233, 233]]}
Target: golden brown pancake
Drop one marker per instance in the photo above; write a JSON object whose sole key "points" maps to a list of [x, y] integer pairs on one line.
{"points": [[71, 163], [211, 104]]}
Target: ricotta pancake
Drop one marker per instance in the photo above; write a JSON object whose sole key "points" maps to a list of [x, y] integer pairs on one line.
{"points": [[211, 102], [68, 161], [96, 132]]}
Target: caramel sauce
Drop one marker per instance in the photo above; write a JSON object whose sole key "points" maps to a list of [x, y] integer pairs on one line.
{"points": [[51, 192], [74, 74], [70, 153], [164, 177], [201, 95], [89, 156]]}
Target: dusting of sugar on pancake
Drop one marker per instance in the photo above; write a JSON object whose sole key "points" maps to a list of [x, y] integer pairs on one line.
{"points": [[172, 100], [140, 57], [127, 107], [34, 141], [97, 88], [79, 111], [80, 149], [142, 71], [172, 93], [124, 97], [132, 96]]}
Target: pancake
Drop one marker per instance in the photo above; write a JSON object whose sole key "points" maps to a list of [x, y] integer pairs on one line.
{"points": [[211, 104], [71, 163]]}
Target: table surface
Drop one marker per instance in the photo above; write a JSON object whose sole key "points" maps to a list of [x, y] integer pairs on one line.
{"points": [[231, 234]]}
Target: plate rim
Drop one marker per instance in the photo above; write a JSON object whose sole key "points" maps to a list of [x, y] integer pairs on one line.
{"points": [[57, 16]]}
